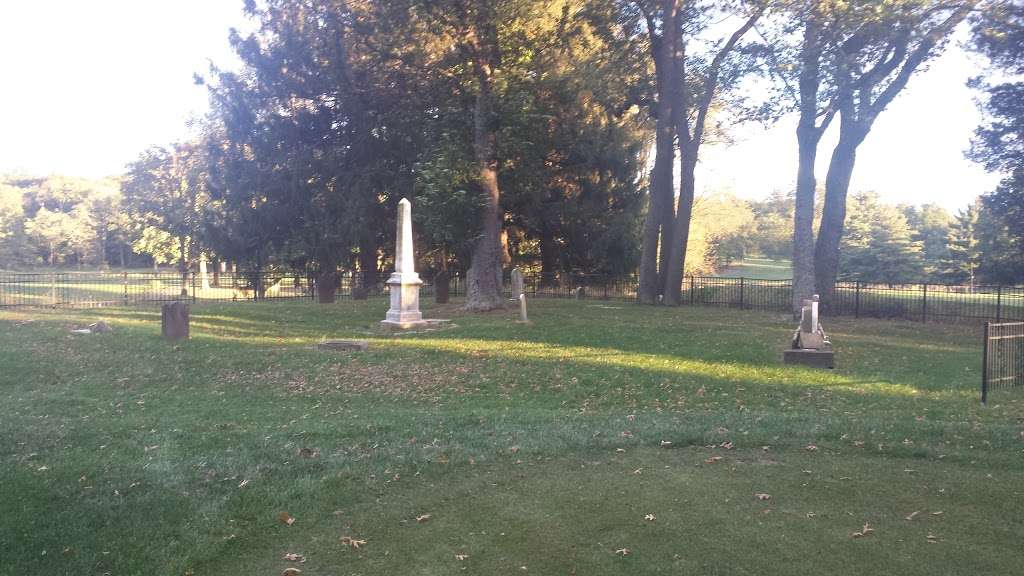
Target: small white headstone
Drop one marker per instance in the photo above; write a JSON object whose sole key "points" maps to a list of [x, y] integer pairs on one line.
{"points": [[517, 283]]}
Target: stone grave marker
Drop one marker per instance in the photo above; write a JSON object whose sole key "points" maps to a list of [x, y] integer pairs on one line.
{"points": [[174, 321], [404, 282], [517, 283], [810, 346]]}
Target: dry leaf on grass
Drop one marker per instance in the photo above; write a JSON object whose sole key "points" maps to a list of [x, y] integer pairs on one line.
{"points": [[811, 448], [293, 557], [763, 496], [349, 541], [291, 572], [623, 551], [865, 531], [461, 557], [932, 538], [423, 518], [713, 459], [285, 518], [665, 443], [650, 517], [913, 515]]}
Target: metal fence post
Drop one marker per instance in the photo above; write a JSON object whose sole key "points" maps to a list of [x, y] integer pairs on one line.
{"points": [[741, 291], [999, 303], [984, 363], [124, 283], [193, 277], [53, 289], [924, 302], [693, 290], [856, 299]]}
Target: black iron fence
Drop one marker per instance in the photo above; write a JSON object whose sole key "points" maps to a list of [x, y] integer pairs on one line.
{"points": [[920, 302], [1002, 357]]}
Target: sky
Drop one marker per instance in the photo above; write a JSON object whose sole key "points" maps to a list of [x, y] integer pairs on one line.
{"points": [[88, 85]]}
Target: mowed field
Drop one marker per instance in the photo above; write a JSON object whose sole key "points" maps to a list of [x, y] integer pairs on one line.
{"points": [[602, 438], [759, 268]]}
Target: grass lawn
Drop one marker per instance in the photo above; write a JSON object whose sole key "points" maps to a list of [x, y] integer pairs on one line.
{"points": [[759, 268], [604, 438]]}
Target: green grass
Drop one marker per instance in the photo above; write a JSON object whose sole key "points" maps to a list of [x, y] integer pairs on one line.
{"points": [[534, 448], [759, 268]]}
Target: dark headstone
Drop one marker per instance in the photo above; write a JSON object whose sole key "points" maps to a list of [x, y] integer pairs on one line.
{"points": [[344, 345], [326, 287], [174, 321], [441, 287], [360, 292]]}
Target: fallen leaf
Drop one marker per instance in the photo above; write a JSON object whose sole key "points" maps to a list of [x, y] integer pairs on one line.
{"points": [[243, 483], [461, 557], [348, 541], [650, 517], [763, 496], [285, 518], [623, 551], [665, 443], [932, 538], [913, 515], [811, 448], [291, 572], [293, 557], [308, 453], [713, 459], [620, 450], [939, 513], [865, 531], [514, 449], [726, 445], [423, 518]]}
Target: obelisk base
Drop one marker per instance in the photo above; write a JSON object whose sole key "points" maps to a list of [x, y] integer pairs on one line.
{"points": [[404, 313]]}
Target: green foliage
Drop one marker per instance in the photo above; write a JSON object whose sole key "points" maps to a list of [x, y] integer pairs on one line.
{"points": [[878, 244], [59, 220]]}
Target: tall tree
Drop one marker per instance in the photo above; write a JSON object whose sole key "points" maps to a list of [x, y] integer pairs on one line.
{"points": [[166, 189], [870, 66], [702, 76]]}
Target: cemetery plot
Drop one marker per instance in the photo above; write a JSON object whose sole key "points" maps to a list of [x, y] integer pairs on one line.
{"points": [[597, 439]]}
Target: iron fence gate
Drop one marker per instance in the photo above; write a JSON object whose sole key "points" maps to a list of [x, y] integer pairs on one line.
{"points": [[1002, 357]]}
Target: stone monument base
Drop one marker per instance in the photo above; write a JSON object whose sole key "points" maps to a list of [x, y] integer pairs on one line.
{"points": [[813, 358], [398, 326]]}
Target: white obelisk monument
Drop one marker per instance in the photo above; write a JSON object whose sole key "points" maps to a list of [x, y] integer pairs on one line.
{"points": [[404, 282]]}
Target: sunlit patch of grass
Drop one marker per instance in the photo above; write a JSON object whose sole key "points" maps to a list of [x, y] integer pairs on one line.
{"points": [[541, 445]]}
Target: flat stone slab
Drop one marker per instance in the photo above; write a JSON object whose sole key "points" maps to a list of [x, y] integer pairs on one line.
{"points": [[344, 345], [425, 324], [813, 358]]}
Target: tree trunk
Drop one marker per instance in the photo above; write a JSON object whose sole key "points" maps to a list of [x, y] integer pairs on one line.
{"points": [[549, 256], [803, 216], [660, 212], [183, 265], [483, 291], [367, 276], [808, 135], [830, 233], [681, 227]]}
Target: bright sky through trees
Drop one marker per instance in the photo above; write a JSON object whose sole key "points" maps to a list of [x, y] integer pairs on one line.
{"points": [[88, 85]]}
